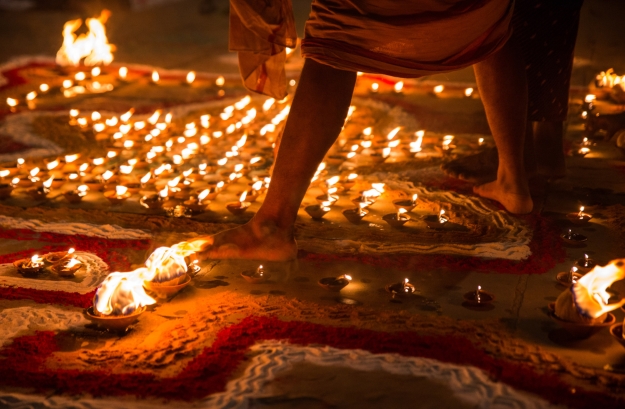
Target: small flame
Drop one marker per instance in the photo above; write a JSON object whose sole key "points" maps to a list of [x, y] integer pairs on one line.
{"points": [[155, 76], [468, 92], [399, 86], [243, 196], [48, 183], [438, 89], [332, 181], [190, 77], [163, 193], [392, 134], [52, 164], [73, 262], [414, 198], [347, 277], [203, 195]]}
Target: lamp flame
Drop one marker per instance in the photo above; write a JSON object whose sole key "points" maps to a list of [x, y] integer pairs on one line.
{"points": [[92, 46]]}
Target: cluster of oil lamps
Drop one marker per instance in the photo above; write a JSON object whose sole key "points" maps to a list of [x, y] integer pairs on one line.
{"points": [[63, 264], [585, 264]]}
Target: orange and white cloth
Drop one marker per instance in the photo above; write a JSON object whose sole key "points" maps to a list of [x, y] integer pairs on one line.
{"points": [[399, 38]]}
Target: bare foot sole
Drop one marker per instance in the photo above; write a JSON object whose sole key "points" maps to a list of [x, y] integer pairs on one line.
{"points": [[250, 242], [479, 168], [510, 198]]}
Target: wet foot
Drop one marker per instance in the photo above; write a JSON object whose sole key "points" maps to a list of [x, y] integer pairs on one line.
{"points": [[479, 168], [516, 199], [252, 241]]}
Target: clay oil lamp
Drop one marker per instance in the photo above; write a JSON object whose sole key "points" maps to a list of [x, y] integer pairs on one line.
{"points": [[58, 183], [349, 182], [585, 264], [568, 278], [584, 308], [447, 146], [401, 289], [616, 331], [396, 219], [238, 208], [581, 152], [198, 204], [41, 193], [30, 267], [147, 181], [257, 162], [479, 297], [94, 185], [256, 276], [70, 164], [10, 170], [5, 188], [255, 191], [436, 221], [329, 197], [329, 183], [58, 256], [154, 201], [335, 284], [366, 198], [406, 204], [68, 268], [117, 196], [336, 160], [170, 287], [579, 217], [318, 211], [355, 215], [31, 179], [574, 239]]}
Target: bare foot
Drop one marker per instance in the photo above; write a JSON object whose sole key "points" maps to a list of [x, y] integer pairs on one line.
{"points": [[479, 168], [252, 241], [516, 199]]}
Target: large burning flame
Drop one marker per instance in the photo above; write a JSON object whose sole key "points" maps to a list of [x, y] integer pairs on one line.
{"points": [[92, 46], [589, 292], [123, 293], [587, 299]]}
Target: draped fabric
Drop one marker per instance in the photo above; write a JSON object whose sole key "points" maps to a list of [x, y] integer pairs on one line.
{"points": [[408, 39], [260, 31]]}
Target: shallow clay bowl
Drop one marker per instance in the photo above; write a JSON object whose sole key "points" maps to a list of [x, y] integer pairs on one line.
{"points": [[562, 278], [166, 289], [116, 323], [433, 221], [58, 182], [236, 208], [151, 201], [251, 277], [56, 257], [333, 283], [315, 211], [575, 219], [485, 298], [398, 289], [325, 198], [582, 269], [405, 204], [58, 270], [115, 200], [354, 215], [392, 220], [576, 239], [195, 206], [616, 331], [579, 330], [72, 197], [37, 194], [5, 191], [27, 271]]}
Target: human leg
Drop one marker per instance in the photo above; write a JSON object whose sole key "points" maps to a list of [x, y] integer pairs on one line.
{"points": [[502, 83], [317, 115]]}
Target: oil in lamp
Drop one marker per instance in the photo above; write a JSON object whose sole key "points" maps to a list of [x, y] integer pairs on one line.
{"points": [[30, 267], [579, 217]]}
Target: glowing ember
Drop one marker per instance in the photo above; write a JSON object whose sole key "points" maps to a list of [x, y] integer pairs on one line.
{"points": [[92, 46]]}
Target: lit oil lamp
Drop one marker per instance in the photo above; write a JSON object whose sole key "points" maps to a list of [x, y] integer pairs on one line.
{"points": [[318, 211], [155, 77], [585, 264], [468, 92], [366, 198], [41, 193], [117, 196], [257, 162], [436, 221], [568, 278], [355, 215], [398, 87], [155, 201], [68, 268], [329, 197], [401, 289], [335, 283], [59, 256], [238, 208], [30, 267], [349, 182], [479, 297], [190, 78], [256, 276], [75, 196], [198, 204], [437, 90], [406, 204], [579, 217], [396, 219], [574, 239]]}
